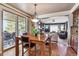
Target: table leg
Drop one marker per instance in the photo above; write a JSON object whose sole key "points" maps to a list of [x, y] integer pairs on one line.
{"points": [[50, 47], [42, 49], [35, 50], [29, 49], [22, 49], [17, 47]]}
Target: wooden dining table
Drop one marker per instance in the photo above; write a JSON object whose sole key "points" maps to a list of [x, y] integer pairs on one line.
{"points": [[37, 40]]}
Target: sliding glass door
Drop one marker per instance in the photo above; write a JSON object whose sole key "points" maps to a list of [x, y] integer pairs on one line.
{"points": [[9, 21], [21, 25], [12, 25]]}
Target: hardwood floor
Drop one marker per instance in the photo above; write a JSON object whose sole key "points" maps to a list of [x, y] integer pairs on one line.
{"points": [[55, 51]]}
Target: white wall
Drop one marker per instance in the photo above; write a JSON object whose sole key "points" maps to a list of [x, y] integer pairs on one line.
{"points": [[58, 19], [70, 23]]}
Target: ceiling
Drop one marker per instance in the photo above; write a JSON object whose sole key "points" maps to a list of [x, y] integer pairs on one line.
{"points": [[42, 8]]}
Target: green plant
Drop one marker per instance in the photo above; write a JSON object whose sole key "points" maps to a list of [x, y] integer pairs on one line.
{"points": [[34, 31]]}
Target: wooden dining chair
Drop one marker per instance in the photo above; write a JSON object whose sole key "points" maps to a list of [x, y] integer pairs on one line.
{"points": [[26, 44], [49, 44]]}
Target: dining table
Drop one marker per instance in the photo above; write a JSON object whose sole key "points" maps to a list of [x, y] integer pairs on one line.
{"points": [[40, 40]]}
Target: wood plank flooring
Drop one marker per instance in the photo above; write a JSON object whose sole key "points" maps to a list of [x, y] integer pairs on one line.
{"points": [[55, 52]]}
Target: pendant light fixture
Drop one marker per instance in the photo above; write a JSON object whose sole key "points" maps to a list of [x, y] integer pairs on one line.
{"points": [[35, 15]]}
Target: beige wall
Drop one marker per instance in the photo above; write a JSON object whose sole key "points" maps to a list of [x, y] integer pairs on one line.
{"points": [[30, 25]]}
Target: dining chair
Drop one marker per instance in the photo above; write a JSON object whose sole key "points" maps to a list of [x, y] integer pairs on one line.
{"points": [[26, 44]]}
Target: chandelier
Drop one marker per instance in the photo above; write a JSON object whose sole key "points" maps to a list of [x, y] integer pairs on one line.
{"points": [[35, 15]]}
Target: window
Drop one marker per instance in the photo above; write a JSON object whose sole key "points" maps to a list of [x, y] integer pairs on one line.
{"points": [[62, 27], [54, 28], [12, 25], [21, 25], [9, 21]]}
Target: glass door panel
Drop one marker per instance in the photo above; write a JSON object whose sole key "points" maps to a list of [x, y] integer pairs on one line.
{"points": [[21, 25], [9, 21]]}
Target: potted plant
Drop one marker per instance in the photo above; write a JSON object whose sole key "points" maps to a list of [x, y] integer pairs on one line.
{"points": [[35, 32]]}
